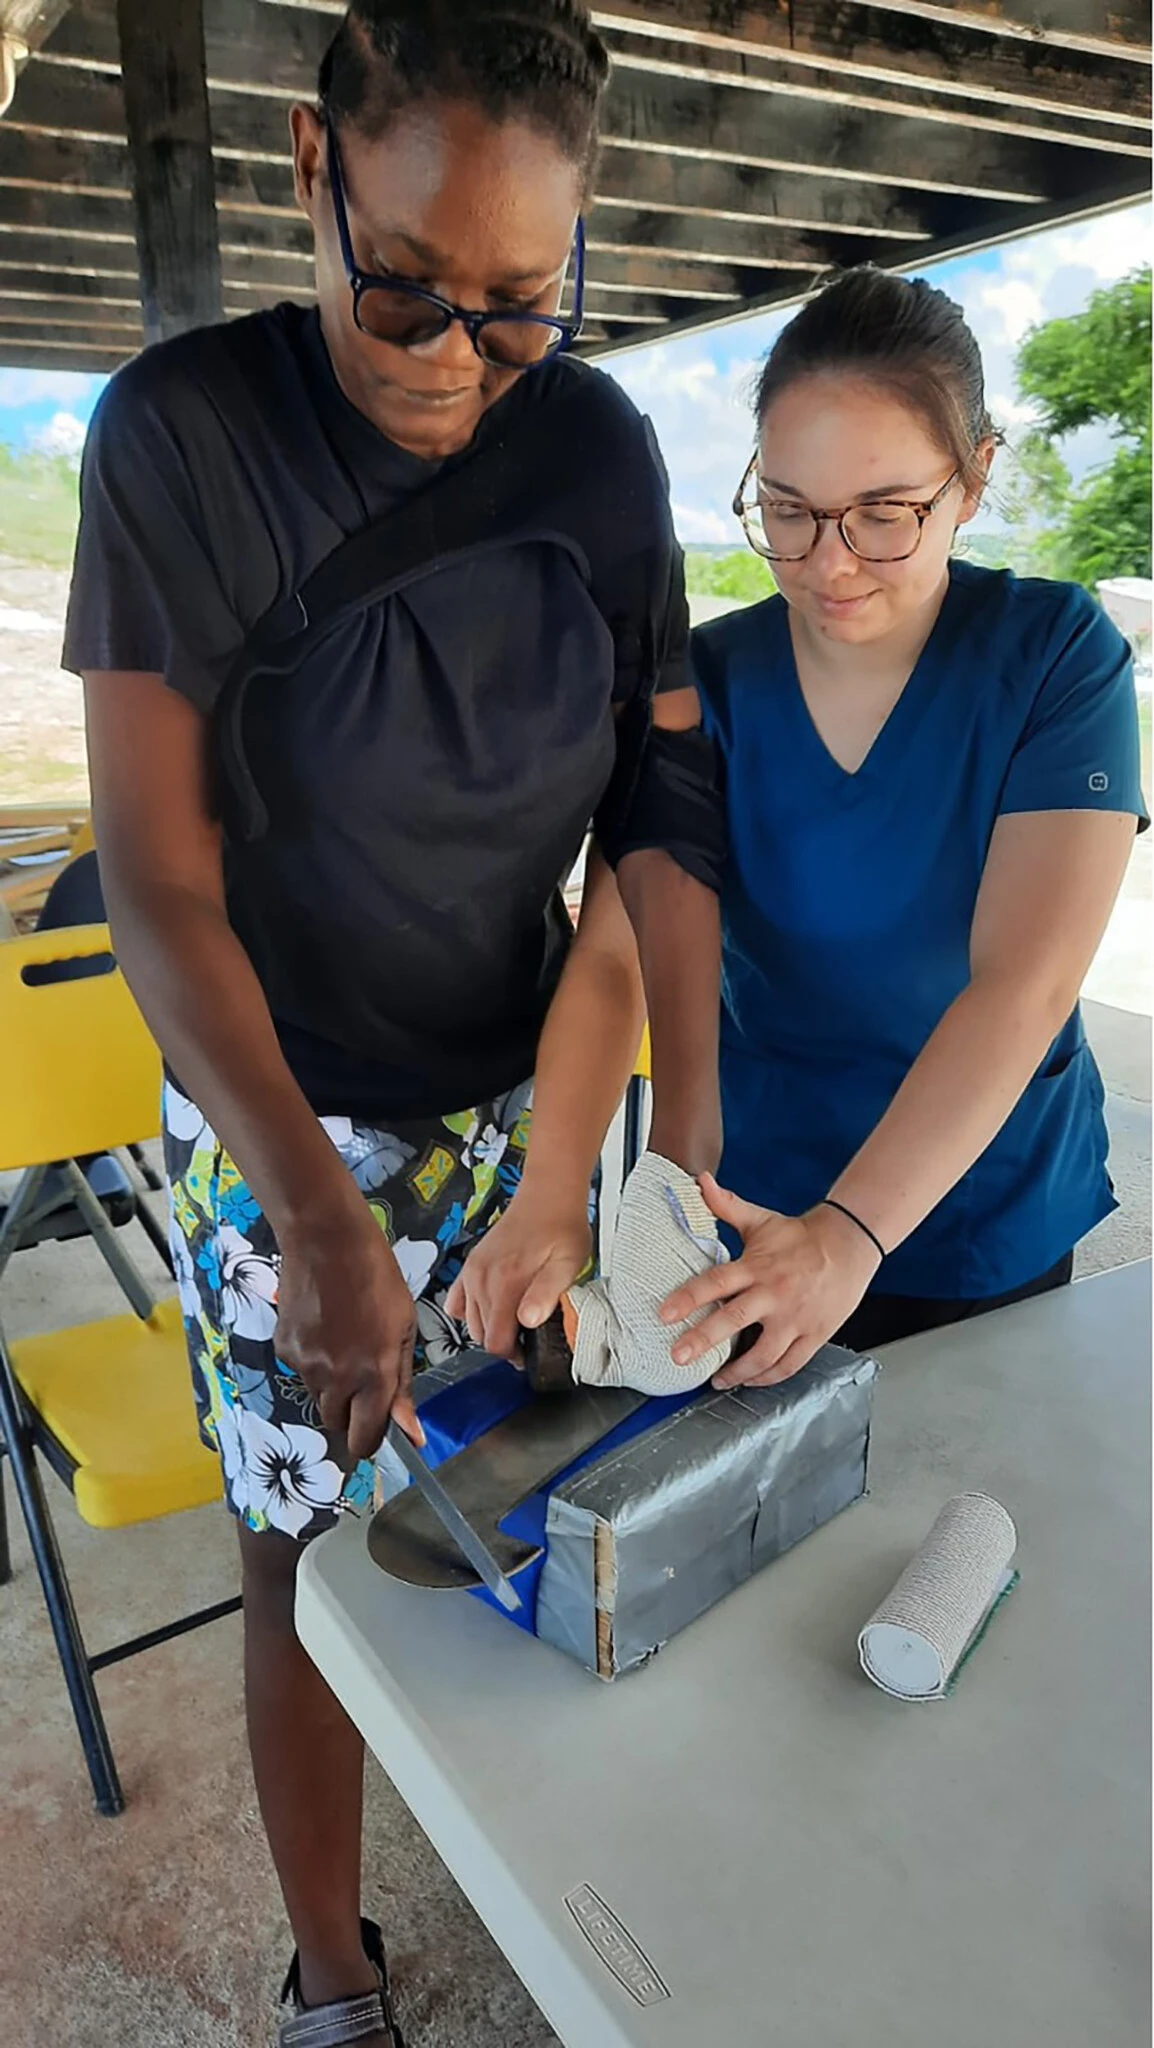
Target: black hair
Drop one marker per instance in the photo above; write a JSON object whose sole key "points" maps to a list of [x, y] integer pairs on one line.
{"points": [[908, 337], [540, 61]]}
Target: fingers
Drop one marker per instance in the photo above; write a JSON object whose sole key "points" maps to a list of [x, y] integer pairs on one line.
{"points": [[500, 1301], [489, 1315], [386, 1392], [715, 1284], [463, 1303], [544, 1292], [333, 1403], [501, 1337], [729, 1208], [368, 1419], [406, 1418], [721, 1327], [767, 1363]]}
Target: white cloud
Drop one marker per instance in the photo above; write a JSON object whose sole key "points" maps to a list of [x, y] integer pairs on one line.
{"points": [[1016, 304], [1109, 247], [700, 523], [1010, 411], [64, 435], [699, 403], [32, 387]]}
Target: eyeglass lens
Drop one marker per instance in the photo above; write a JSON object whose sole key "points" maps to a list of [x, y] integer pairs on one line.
{"points": [[878, 533], [408, 322]]}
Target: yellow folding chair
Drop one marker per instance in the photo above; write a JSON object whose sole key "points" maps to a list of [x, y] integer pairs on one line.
{"points": [[107, 1404]]}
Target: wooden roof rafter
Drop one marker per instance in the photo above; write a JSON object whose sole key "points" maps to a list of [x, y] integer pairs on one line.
{"points": [[749, 146]]}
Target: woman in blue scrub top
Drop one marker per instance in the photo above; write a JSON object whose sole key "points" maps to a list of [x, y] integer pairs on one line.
{"points": [[933, 788]]}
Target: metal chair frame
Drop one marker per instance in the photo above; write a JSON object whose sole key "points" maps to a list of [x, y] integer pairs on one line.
{"points": [[23, 1433]]}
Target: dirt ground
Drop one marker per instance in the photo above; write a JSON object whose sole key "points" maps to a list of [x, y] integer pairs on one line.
{"points": [[41, 708]]}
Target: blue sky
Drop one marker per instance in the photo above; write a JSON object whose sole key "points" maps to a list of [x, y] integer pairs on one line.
{"points": [[695, 389]]}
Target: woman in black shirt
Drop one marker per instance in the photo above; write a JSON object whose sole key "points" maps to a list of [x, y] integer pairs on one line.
{"points": [[334, 884]]}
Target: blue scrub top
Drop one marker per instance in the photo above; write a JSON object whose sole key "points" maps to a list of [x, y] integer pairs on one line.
{"points": [[849, 902]]}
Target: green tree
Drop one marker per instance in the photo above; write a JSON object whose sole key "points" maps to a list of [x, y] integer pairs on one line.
{"points": [[1093, 368], [1034, 496], [740, 575]]}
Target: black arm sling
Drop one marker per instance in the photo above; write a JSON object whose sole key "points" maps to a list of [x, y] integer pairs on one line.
{"points": [[540, 482]]}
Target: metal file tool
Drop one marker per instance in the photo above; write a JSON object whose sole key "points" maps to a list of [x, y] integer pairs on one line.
{"points": [[444, 1531], [452, 1521]]}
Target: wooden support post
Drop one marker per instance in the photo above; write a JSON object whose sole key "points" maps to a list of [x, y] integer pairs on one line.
{"points": [[170, 145]]}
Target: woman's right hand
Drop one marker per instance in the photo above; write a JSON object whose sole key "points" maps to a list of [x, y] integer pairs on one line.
{"points": [[346, 1323]]}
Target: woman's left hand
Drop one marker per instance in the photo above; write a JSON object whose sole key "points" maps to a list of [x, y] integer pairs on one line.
{"points": [[516, 1275], [800, 1277]]}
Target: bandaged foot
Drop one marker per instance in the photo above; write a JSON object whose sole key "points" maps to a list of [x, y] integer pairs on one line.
{"points": [[665, 1234]]}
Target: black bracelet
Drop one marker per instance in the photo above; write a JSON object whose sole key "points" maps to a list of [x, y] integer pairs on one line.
{"points": [[827, 1202]]}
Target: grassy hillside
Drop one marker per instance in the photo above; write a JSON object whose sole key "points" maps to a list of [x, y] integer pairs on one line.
{"points": [[39, 507]]}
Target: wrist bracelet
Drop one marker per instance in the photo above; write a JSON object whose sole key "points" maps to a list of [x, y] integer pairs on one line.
{"points": [[827, 1202]]}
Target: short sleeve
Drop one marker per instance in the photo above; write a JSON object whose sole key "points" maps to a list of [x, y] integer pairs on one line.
{"points": [[1079, 748], [146, 594], [641, 587]]}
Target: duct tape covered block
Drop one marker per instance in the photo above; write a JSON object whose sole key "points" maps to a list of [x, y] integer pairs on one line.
{"points": [[676, 1507]]}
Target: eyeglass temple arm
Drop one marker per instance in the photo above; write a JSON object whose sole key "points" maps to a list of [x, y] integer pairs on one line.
{"points": [[738, 506], [340, 210], [578, 320]]}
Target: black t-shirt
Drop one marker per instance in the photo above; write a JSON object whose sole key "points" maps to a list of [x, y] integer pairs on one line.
{"points": [[445, 749]]}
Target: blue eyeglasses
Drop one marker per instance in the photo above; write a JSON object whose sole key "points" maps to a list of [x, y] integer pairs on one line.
{"points": [[391, 309]]}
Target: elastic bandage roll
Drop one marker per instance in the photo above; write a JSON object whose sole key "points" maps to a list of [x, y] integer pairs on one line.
{"points": [[914, 1643]]}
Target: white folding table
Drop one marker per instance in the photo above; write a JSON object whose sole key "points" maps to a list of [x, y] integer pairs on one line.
{"points": [[745, 1843]]}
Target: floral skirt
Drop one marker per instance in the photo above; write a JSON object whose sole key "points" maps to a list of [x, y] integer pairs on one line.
{"points": [[434, 1186]]}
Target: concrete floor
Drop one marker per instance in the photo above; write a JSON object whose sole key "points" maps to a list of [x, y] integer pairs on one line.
{"points": [[164, 1929]]}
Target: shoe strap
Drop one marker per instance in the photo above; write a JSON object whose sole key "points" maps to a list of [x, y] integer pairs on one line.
{"points": [[337, 2024]]}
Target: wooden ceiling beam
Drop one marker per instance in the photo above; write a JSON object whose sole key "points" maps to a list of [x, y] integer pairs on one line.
{"points": [[610, 230], [170, 148], [66, 256], [655, 271], [784, 133], [65, 100], [787, 199], [268, 50], [677, 184], [669, 234], [62, 354], [62, 256], [701, 195], [779, 132], [276, 51], [1119, 29], [831, 86], [77, 287], [870, 42], [45, 305], [19, 322], [1066, 24]]}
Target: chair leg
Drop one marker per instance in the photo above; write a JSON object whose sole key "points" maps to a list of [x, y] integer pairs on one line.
{"points": [[634, 1107], [153, 1232], [57, 1595], [5, 1550], [148, 1174]]}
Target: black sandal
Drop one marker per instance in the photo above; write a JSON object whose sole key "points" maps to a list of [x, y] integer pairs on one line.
{"points": [[343, 2020]]}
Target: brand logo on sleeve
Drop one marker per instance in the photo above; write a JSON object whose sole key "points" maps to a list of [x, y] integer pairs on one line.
{"points": [[617, 1949], [1099, 781]]}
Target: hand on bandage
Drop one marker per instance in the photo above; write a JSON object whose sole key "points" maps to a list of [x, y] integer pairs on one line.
{"points": [[665, 1234]]}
